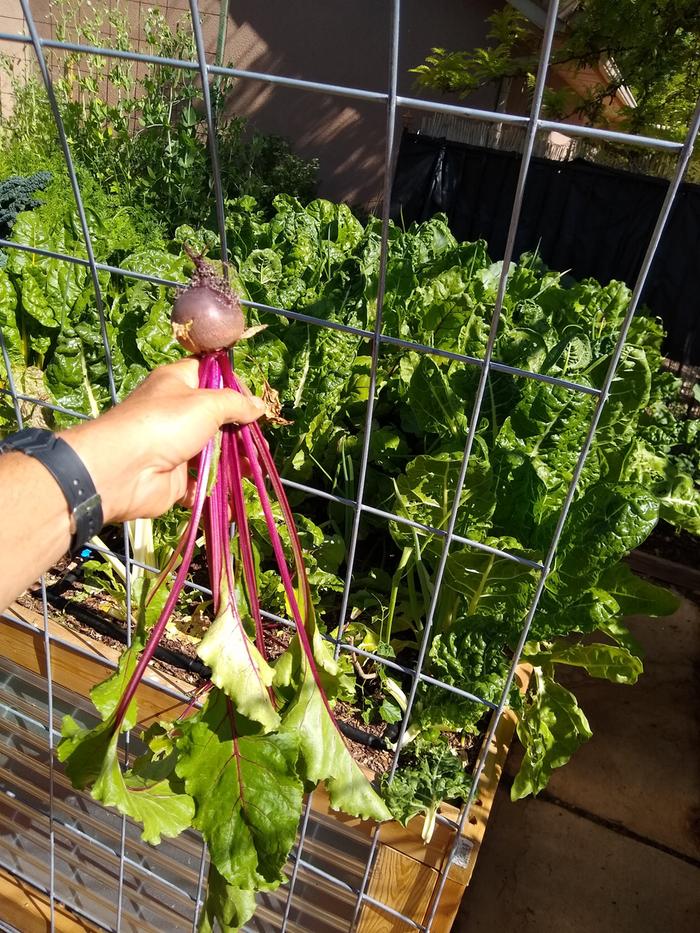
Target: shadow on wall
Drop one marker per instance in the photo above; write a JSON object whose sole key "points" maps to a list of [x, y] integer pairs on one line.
{"points": [[342, 42]]}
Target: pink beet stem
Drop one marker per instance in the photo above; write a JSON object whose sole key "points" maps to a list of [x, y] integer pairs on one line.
{"points": [[278, 549], [231, 442], [179, 582]]}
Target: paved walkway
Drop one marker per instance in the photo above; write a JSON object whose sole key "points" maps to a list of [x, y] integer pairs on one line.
{"points": [[613, 844]]}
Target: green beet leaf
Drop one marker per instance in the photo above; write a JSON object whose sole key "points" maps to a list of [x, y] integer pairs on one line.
{"points": [[238, 668], [91, 759], [246, 792], [551, 728], [226, 907], [106, 695], [325, 756]]}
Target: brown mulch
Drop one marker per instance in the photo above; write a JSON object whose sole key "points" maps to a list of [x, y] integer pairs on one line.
{"points": [[678, 546]]}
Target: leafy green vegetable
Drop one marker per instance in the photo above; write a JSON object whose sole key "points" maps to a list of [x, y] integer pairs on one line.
{"points": [[551, 727], [432, 774], [607, 661], [320, 261], [229, 766]]}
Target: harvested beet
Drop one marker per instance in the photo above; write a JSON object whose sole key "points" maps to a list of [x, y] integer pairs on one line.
{"points": [[207, 315]]}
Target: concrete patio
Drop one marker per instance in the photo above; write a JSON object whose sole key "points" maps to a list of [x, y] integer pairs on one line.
{"points": [[613, 844]]}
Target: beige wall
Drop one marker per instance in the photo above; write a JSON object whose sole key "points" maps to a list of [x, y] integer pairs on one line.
{"points": [[334, 41], [340, 42]]}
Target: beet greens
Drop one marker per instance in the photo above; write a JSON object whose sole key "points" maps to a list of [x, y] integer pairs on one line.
{"points": [[236, 768]]}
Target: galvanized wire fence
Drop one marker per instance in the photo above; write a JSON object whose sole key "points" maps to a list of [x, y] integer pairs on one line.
{"points": [[393, 102]]}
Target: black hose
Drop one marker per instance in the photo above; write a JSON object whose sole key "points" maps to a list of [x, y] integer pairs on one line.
{"points": [[362, 737], [112, 630]]}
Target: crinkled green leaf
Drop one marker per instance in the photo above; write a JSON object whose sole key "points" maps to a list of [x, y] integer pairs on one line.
{"points": [[238, 668], [621, 634], [91, 761], [606, 661], [425, 494], [161, 810], [154, 337], [637, 596], [433, 404], [679, 501], [35, 303], [427, 776], [589, 611], [247, 794], [551, 728], [490, 584], [606, 523], [8, 324]]}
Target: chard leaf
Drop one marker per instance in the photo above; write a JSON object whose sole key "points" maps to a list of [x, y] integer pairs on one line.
{"points": [[36, 304], [425, 493], [8, 323], [491, 585], [154, 337], [629, 393], [325, 756], [637, 596], [551, 728], [237, 667], [621, 634], [246, 791], [429, 775], [679, 501], [433, 404], [592, 610], [606, 523], [606, 661]]}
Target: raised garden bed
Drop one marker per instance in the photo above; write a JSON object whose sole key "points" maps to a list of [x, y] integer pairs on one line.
{"points": [[406, 870]]}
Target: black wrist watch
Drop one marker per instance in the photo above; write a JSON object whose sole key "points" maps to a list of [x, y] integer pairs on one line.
{"points": [[70, 473]]}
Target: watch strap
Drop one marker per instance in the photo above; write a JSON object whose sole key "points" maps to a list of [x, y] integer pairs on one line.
{"points": [[71, 474]]}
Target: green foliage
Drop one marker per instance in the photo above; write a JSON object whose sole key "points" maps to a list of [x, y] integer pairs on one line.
{"points": [[653, 47], [433, 773], [140, 134], [551, 727], [322, 262], [462, 72], [17, 194]]}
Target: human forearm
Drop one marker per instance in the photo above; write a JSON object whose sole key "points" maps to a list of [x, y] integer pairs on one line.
{"points": [[137, 456], [35, 527]]}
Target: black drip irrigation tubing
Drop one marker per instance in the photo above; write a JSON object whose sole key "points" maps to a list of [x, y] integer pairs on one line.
{"points": [[178, 660]]}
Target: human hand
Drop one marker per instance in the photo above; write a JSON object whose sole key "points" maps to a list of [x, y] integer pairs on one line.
{"points": [[138, 452]]}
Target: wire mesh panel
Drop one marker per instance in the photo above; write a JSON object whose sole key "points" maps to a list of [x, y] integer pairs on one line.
{"points": [[46, 816]]}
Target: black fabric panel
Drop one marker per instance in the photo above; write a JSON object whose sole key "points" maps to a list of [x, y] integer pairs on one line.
{"points": [[588, 219]]}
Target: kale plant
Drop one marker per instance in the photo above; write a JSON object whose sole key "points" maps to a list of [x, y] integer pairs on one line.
{"points": [[18, 194]]}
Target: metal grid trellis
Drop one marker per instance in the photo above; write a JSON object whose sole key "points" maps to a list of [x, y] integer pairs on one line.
{"points": [[393, 102]]}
